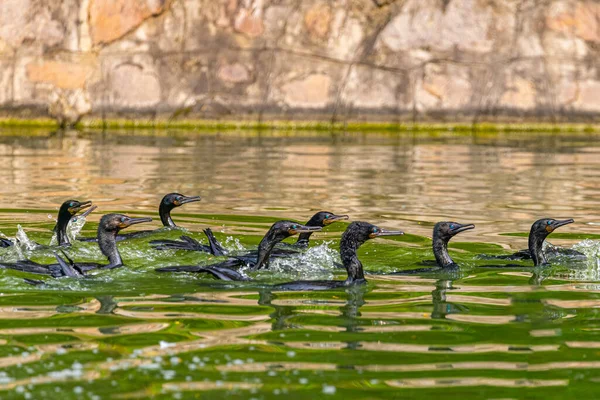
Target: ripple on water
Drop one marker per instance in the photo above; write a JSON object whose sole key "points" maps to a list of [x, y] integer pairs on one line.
{"points": [[131, 333]]}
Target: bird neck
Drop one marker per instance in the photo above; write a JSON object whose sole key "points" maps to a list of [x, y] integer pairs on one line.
{"points": [[536, 244], [165, 215], [354, 268], [304, 238], [440, 251], [265, 247], [61, 229], [107, 241]]}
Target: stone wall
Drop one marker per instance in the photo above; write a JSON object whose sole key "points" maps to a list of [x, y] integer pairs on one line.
{"points": [[388, 60]]}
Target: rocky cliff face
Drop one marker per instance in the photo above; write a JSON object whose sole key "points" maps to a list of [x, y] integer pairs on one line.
{"points": [[394, 60]]}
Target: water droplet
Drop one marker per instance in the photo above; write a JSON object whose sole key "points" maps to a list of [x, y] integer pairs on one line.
{"points": [[327, 389]]}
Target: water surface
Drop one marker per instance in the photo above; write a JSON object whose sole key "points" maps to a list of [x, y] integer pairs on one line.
{"points": [[483, 333]]}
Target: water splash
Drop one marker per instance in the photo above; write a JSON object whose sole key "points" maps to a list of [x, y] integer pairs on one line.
{"points": [[315, 263], [234, 244], [75, 226], [23, 240], [591, 249]]}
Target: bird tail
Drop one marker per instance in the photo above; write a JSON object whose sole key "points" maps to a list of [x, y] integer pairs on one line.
{"points": [[28, 266], [215, 247], [219, 271], [87, 239], [225, 274], [186, 243], [68, 269], [180, 268], [229, 264]]}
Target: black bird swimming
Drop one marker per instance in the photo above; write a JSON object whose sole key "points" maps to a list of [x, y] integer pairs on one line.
{"points": [[355, 235], [67, 211], [537, 235], [279, 231], [442, 233], [167, 204], [320, 219], [108, 229]]}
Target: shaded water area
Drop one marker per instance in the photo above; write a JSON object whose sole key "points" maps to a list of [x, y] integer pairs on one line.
{"points": [[493, 333]]}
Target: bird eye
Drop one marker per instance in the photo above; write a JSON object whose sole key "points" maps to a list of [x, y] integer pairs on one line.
{"points": [[327, 215], [451, 226], [294, 226], [179, 198], [123, 219], [71, 204], [549, 222], [375, 230]]}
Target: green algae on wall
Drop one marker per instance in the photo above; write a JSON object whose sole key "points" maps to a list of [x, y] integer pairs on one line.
{"points": [[290, 126]]}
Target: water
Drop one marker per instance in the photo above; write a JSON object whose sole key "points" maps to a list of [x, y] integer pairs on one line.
{"points": [[518, 333]]}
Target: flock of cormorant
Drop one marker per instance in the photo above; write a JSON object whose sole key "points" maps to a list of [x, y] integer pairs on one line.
{"points": [[357, 233]]}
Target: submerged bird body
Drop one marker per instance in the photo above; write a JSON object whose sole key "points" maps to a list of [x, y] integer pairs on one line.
{"points": [[108, 228], [279, 231], [167, 204], [320, 219]]}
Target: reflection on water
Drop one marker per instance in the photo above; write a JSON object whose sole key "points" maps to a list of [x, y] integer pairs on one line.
{"points": [[481, 333], [502, 182]]}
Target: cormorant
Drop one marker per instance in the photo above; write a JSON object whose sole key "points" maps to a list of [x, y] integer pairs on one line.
{"points": [[67, 211], [168, 203], [279, 231], [320, 219], [537, 235], [355, 235], [108, 229], [442, 233]]}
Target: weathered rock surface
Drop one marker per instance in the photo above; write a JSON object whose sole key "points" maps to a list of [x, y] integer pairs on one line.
{"points": [[413, 60], [68, 106], [109, 20]]}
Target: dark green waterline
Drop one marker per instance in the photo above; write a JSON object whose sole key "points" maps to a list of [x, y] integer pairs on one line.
{"points": [[116, 124]]}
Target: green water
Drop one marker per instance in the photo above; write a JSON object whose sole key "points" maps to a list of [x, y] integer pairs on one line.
{"points": [[483, 333]]}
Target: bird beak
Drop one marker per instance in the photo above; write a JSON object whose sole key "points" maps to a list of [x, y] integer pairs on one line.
{"points": [[186, 200], [461, 228], [334, 218], [83, 205], [134, 221], [558, 224], [304, 229], [86, 213], [383, 232]]}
